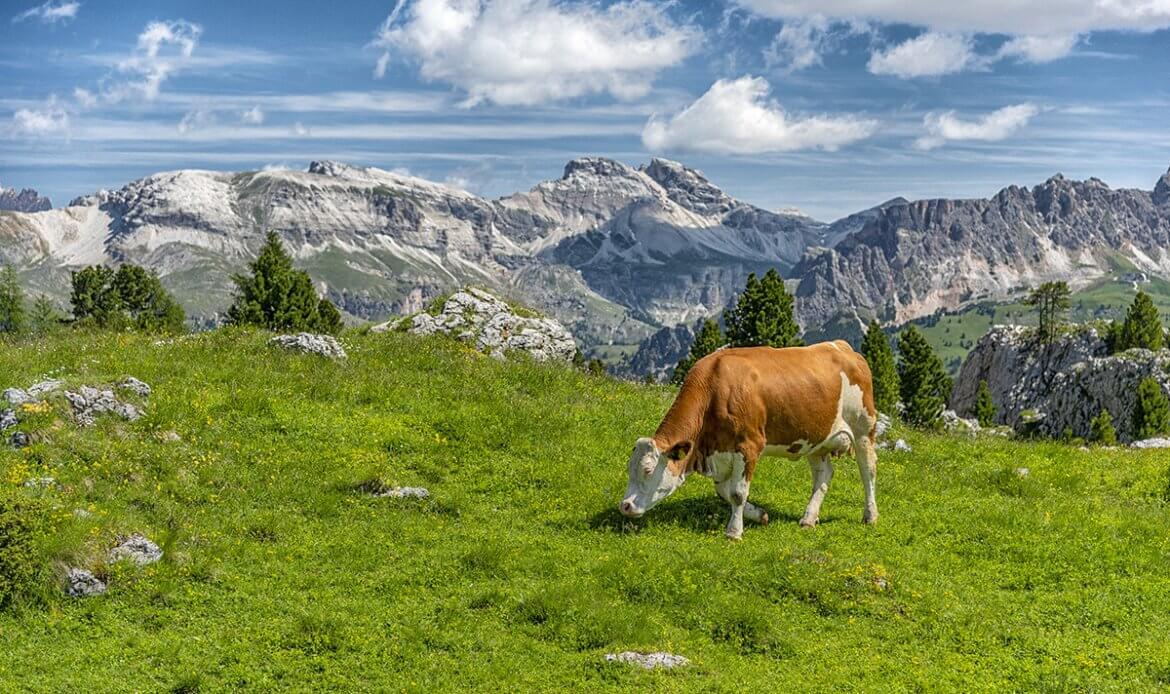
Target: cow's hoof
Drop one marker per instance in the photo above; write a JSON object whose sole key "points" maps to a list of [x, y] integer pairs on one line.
{"points": [[733, 535], [808, 522], [869, 518], [763, 519]]}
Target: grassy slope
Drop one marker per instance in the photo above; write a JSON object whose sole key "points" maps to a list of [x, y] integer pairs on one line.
{"points": [[519, 575]]}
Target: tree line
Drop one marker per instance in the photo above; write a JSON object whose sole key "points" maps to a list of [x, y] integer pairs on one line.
{"points": [[272, 295]]}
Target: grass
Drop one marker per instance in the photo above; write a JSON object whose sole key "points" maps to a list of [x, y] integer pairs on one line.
{"points": [[281, 573]]}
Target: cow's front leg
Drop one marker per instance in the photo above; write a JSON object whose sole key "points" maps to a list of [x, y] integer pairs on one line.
{"points": [[737, 497], [755, 513], [822, 474]]}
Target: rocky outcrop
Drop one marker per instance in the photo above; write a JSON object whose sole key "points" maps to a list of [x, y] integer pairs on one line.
{"points": [[1050, 389], [88, 403], [27, 200], [478, 318], [310, 343]]}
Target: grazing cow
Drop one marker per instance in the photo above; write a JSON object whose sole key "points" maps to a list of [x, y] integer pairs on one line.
{"points": [[740, 403]]}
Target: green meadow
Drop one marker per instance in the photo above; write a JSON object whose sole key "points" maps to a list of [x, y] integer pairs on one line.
{"points": [[282, 573]]}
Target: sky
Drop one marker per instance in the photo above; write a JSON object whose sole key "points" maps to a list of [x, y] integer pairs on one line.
{"points": [[828, 106]]}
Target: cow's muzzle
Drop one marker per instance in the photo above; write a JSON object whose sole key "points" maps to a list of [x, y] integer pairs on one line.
{"points": [[629, 510]]}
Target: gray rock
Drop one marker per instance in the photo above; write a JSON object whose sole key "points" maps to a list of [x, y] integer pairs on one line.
{"points": [[404, 493], [135, 548], [36, 390], [902, 447], [479, 318], [15, 396], [649, 661], [89, 402], [8, 419], [136, 386], [80, 583], [41, 482], [882, 426], [311, 343], [954, 423], [19, 439], [1151, 443], [1022, 472], [1047, 389]]}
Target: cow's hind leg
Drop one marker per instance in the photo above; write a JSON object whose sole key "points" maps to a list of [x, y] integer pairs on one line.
{"points": [[822, 474], [867, 462], [755, 513]]}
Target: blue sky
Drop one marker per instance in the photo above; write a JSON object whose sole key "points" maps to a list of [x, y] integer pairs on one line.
{"points": [[828, 106]]}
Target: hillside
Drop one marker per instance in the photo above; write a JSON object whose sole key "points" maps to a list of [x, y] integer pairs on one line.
{"points": [[281, 573]]}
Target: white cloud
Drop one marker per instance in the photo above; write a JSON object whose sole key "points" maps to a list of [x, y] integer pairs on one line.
{"points": [[997, 125], [163, 48], [737, 117], [50, 12], [927, 55], [1012, 17], [50, 119], [84, 97], [197, 119], [803, 42], [253, 116], [525, 52], [300, 130], [1038, 49]]}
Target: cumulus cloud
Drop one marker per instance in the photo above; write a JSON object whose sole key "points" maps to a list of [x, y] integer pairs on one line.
{"points": [[1038, 49], [994, 126], [50, 13], [1012, 17], [526, 52], [253, 116], [737, 117], [50, 119], [927, 55]]}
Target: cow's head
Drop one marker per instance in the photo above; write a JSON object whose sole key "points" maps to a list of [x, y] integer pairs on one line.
{"points": [[654, 475]]}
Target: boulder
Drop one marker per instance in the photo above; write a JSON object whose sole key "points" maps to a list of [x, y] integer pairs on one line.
{"points": [[1151, 443], [649, 661], [80, 583], [89, 402], [135, 386], [952, 422], [8, 419], [311, 343], [404, 493], [882, 426], [135, 548], [15, 396], [485, 321], [902, 447]]}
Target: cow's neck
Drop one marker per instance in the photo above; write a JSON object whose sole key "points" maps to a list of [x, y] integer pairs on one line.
{"points": [[684, 422]]}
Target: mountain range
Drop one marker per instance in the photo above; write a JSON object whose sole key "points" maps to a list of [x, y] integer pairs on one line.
{"points": [[615, 252]]}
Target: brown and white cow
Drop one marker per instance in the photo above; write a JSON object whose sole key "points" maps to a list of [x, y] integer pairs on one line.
{"points": [[740, 403]]}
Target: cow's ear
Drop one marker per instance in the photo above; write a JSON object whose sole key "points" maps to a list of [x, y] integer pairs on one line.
{"points": [[679, 450]]}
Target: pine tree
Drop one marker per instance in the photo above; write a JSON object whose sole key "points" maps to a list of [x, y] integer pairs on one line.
{"points": [[130, 298], [1051, 300], [876, 348], [707, 340], [1101, 429], [279, 297], [1113, 337], [44, 317], [91, 298], [1142, 326], [762, 314], [924, 383], [12, 316], [1151, 415], [984, 406]]}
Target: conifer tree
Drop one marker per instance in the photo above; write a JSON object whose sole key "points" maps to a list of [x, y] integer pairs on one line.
{"points": [[1051, 300], [762, 314], [924, 383], [1101, 429], [876, 349], [707, 340], [1142, 326], [131, 297], [277, 296], [12, 316], [44, 317], [1151, 415], [984, 406]]}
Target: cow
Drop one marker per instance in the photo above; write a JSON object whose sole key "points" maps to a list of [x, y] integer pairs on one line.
{"points": [[738, 404]]}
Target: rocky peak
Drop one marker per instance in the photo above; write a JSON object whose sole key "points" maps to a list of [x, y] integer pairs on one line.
{"points": [[336, 169], [595, 166], [27, 200], [688, 187], [1162, 189]]}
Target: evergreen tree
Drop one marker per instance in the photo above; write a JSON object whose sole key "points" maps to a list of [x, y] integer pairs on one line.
{"points": [[1113, 337], [44, 317], [707, 340], [762, 314], [1101, 429], [279, 297], [1151, 415], [924, 383], [984, 406], [1051, 300], [1142, 326], [12, 317], [130, 298], [876, 348]]}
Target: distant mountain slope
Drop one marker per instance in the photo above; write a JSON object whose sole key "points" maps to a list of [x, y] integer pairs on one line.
{"points": [[27, 200]]}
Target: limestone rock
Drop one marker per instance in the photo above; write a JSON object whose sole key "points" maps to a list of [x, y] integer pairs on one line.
{"points": [[902, 447], [135, 548], [404, 493], [80, 583], [1151, 443], [15, 396], [310, 343], [136, 386], [649, 661], [8, 419], [882, 426], [89, 402]]}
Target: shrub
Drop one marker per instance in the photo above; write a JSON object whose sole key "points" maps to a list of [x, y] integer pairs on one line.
{"points": [[762, 314], [279, 297], [876, 348], [708, 339], [1101, 429], [1151, 416], [23, 532], [984, 406]]}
